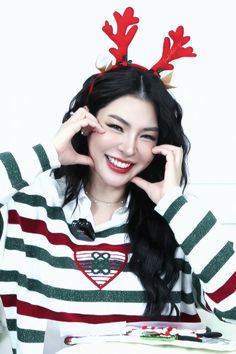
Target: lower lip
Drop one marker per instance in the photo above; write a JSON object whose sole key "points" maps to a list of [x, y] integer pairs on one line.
{"points": [[118, 169]]}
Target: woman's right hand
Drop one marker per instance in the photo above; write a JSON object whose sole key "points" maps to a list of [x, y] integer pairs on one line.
{"points": [[82, 121]]}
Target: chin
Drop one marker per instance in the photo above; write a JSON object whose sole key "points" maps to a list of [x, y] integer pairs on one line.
{"points": [[117, 181]]}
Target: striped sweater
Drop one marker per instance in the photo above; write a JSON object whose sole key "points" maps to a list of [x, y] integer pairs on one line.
{"points": [[47, 274]]}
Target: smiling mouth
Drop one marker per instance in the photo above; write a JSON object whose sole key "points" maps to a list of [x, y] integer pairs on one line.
{"points": [[118, 164]]}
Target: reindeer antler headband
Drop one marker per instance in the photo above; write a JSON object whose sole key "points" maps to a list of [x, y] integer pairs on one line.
{"points": [[123, 37]]}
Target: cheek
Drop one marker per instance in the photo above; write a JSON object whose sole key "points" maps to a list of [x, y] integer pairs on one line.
{"points": [[91, 144], [97, 142], [147, 155]]}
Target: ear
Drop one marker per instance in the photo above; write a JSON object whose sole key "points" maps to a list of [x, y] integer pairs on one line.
{"points": [[86, 107]]}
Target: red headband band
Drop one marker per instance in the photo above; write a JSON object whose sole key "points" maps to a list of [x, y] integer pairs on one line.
{"points": [[125, 34]]}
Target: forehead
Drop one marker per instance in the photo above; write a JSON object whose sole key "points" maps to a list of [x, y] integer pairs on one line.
{"points": [[132, 109]]}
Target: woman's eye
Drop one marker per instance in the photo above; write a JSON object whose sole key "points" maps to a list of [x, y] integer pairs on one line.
{"points": [[149, 137], [115, 127]]}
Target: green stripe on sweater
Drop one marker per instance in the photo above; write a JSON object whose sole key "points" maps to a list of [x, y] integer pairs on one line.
{"points": [[42, 156], [41, 254], [30, 335], [183, 266], [71, 294], [86, 296], [217, 262], [174, 208], [198, 233], [11, 324], [178, 296], [198, 291], [56, 213], [13, 170], [39, 201], [223, 315]]}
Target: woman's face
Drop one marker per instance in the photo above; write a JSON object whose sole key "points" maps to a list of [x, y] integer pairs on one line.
{"points": [[125, 149]]}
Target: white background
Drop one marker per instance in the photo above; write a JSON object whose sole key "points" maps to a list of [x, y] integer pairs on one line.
{"points": [[49, 47]]}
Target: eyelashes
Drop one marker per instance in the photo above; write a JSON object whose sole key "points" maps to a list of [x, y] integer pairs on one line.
{"points": [[115, 127], [149, 137], [120, 129]]}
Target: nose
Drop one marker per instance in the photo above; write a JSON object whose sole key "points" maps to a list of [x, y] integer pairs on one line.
{"points": [[128, 145]]}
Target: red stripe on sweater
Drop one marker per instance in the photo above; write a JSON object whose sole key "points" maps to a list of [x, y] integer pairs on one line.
{"points": [[27, 309], [225, 290], [9, 300], [39, 227]]}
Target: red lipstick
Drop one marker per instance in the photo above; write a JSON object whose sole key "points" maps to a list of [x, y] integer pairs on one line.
{"points": [[119, 169]]}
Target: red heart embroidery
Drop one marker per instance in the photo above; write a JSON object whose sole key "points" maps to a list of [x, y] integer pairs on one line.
{"points": [[102, 263]]}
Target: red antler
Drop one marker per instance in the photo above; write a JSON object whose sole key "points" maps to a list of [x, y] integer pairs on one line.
{"points": [[121, 38], [173, 52]]}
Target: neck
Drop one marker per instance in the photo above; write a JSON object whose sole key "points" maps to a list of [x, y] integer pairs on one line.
{"points": [[101, 193], [104, 202]]}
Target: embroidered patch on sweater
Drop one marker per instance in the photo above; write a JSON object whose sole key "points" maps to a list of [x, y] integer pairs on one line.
{"points": [[101, 264]]}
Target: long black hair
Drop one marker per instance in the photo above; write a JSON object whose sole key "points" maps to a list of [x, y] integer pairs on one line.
{"points": [[152, 241]]}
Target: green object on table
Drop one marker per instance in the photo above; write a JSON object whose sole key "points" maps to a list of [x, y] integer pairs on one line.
{"points": [[158, 337]]}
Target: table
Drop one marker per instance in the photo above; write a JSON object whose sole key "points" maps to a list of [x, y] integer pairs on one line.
{"points": [[92, 342], [130, 348]]}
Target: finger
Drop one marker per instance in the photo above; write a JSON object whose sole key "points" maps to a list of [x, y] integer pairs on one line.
{"points": [[74, 158], [84, 118], [141, 183], [180, 155], [175, 149], [87, 124], [85, 160], [163, 151], [170, 152], [86, 108], [91, 126], [79, 114], [83, 113]]}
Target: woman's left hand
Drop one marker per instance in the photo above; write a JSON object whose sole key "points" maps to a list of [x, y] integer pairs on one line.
{"points": [[172, 175]]}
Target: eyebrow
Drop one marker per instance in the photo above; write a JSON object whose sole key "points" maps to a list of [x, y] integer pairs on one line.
{"points": [[122, 120]]}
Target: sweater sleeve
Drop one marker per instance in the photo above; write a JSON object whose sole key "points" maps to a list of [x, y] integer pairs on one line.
{"points": [[20, 168], [211, 256]]}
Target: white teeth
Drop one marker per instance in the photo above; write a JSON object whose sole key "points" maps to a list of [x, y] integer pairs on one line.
{"points": [[118, 163]]}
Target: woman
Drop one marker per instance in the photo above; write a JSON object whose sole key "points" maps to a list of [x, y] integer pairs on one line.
{"points": [[117, 164]]}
